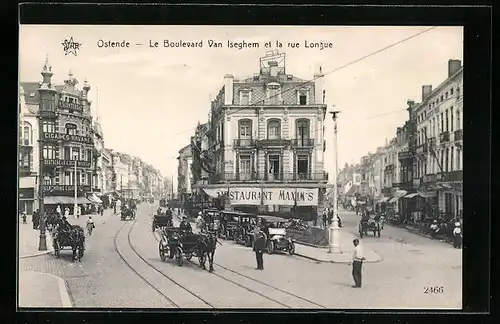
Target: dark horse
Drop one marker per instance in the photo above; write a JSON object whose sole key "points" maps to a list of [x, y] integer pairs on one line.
{"points": [[75, 238], [207, 245]]}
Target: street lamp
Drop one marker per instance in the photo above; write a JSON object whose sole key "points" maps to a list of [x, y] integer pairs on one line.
{"points": [[42, 243], [333, 244]]}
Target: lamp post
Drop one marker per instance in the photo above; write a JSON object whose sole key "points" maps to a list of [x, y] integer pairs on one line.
{"points": [[333, 244], [42, 243]]}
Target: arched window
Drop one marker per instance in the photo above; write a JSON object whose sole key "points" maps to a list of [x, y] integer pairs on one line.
{"points": [[71, 129], [273, 129], [302, 131], [27, 134], [244, 129]]}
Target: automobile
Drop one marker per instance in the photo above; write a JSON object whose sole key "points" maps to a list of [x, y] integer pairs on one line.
{"points": [[244, 227], [275, 229]]}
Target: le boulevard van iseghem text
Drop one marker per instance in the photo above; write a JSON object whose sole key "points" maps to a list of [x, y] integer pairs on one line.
{"points": [[265, 177]]}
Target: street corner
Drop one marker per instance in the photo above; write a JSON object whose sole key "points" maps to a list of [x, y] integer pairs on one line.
{"points": [[45, 290], [344, 255], [28, 247]]}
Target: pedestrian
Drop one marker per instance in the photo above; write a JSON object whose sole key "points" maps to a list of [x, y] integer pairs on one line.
{"points": [[325, 213], [35, 219], [259, 246], [457, 236], [78, 211], [66, 212], [23, 217], [357, 263]]}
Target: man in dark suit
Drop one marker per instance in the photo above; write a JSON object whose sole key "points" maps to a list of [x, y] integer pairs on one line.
{"points": [[259, 246]]}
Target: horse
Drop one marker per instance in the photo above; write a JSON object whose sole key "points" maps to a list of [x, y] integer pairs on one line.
{"points": [[207, 245], [77, 237]]}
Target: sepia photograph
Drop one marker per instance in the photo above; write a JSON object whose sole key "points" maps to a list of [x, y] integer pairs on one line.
{"points": [[240, 167]]}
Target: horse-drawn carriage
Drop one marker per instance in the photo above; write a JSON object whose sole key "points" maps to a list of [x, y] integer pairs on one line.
{"points": [[73, 238], [275, 229], [370, 224], [181, 245], [127, 211], [211, 220], [162, 218]]}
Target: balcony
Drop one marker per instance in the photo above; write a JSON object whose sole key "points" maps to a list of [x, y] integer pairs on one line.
{"points": [[302, 142], [429, 178], [251, 143], [389, 167], [70, 106], [25, 142], [24, 169], [66, 163], [444, 137], [422, 149], [273, 142], [253, 176], [405, 155], [64, 190], [459, 135], [47, 114], [53, 136], [313, 176], [453, 176]]}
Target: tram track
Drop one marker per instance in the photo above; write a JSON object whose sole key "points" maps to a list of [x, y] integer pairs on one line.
{"points": [[151, 266], [263, 284]]}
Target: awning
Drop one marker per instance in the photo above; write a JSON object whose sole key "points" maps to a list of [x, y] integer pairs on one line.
{"points": [[424, 195], [409, 196], [53, 200], [384, 199], [83, 200], [94, 199], [393, 199]]}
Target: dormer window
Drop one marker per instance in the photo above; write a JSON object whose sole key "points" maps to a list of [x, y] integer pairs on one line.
{"points": [[273, 93], [245, 97], [303, 97]]}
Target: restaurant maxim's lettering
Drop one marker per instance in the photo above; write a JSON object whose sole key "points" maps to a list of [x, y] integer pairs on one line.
{"points": [[71, 163], [268, 196], [68, 137]]}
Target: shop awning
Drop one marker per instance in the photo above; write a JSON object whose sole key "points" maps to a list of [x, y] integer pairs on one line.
{"points": [[393, 200], [94, 199], [383, 199], [83, 200], [54, 200], [409, 196], [424, 195]]}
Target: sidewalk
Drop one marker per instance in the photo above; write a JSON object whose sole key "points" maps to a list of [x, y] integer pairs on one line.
{"points": [[346, 247], [38, 289], [28, 241]]}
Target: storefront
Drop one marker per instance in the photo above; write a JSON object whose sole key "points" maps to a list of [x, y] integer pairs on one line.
{"points": [[27, 202]]}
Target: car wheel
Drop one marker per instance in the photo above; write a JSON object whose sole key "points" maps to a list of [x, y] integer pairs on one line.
{"points": [[270, 247]]}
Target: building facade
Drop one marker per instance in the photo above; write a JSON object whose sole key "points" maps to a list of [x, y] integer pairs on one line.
{"points": [[184, 172], [267, 142], [66, 137]]}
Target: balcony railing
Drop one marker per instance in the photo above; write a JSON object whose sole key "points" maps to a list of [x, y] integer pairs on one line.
{"points": [[25, 142], [453, 176], [245, 142], [66, 163], [405, 155], [273, 142], [459, 135], [64, 190], [429, 178], [444, 137], [70, 106], [302, 142], [253, 176], [67, 137], [422, 149], [45, 113], [24, 168]]}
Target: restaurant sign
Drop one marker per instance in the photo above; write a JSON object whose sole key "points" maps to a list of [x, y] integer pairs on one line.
{"points": [[56, 162], [68, 137], [268, 196]]}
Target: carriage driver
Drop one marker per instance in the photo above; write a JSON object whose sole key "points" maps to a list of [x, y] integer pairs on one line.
{"points": [[185, 226]]}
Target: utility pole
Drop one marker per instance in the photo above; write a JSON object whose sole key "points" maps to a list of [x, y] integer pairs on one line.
{"points": [[42, 243], [75, 206], [334, 246]]}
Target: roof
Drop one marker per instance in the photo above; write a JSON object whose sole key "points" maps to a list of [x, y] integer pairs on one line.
{"points": [[31, 95]]}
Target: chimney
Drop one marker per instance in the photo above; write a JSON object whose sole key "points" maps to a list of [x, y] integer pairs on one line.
{"points": [[453, 67], [426, 91], [273, 68], [228, 89]]}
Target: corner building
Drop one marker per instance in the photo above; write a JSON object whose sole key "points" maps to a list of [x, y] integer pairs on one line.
{"points": [[267, 142], [66, 135]]}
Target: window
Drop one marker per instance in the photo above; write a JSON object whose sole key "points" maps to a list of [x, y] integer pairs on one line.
{"points": [[451, 158], [446, 160], [302, 97], [302, 131], [446, 94], [48, 105], [48, 127], [27, 134], [458, 158], [442, 123], [451, 91], [49, 152], [433, 126], [67, 153], [303, 166], [71, 129], [273, 93], [244, 97], [458, 120], [274, 167], [24, 160], [451, 119], [245, 167], [75, 153], [245, 129], [441, 98], [68, 179], [274, 129], [442, 160]]}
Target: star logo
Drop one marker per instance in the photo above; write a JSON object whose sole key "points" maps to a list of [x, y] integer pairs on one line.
{"points": [[70, 46]]}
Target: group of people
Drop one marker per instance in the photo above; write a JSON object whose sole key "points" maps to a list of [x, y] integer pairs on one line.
{"points": [[437, 228], [327, 218]]}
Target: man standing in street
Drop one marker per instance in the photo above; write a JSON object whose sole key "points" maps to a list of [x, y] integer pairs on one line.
{"points": [[259, 246], [357, 262]]}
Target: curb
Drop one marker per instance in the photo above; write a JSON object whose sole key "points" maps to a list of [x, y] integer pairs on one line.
{"points": [[63, 291], [36, 254], [344, 262]]}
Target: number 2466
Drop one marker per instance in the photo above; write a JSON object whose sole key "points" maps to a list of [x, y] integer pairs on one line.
{"points": [[434, 290]]}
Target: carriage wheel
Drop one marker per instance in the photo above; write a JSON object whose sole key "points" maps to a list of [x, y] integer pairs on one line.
{"points": [[270, 247], [153, 227], [161, 250], [179, 257]]}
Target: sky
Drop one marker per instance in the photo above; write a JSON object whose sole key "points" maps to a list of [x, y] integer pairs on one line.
{"points": [[149, 100]]}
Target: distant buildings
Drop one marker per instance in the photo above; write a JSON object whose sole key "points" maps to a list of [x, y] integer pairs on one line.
{"points": [[420, 171]]}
